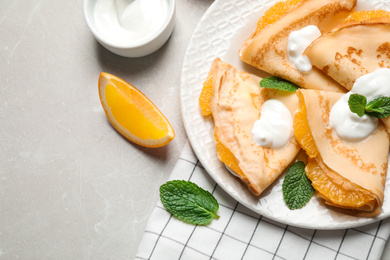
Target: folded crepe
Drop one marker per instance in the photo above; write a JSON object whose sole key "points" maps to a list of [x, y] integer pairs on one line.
{"points": [[347, 175], [266, 49], [234, 98], [354, 48]]}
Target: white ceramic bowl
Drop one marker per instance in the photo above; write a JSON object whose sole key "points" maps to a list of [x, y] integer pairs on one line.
{"points": [[149, 45]]}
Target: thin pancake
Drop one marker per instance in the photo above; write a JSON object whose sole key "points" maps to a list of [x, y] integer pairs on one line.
{"points": [[356, 166], [352, 50], [235, 105], [267, 49]]}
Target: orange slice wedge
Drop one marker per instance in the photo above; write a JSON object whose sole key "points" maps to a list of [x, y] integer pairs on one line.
{"points": [[132, 113]]}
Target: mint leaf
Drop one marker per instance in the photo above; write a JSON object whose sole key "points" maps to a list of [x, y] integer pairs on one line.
{"points": [[278, 83], [375, 106], [189, 202], [379, 108], [297, 189], [357, 104]]}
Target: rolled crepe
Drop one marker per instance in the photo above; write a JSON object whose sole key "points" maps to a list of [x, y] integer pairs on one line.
{"points": [[352, 167], [235, 105], [353, 49], [266, 49]]}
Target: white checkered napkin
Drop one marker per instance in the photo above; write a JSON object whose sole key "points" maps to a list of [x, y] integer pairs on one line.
{"points": [[242, 234]]}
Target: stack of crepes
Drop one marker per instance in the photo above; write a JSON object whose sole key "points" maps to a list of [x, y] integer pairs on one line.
{"points": [[349, 175]]}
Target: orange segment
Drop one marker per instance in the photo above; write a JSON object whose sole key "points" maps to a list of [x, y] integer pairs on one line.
{"points": [[132, 113], [371, 16], [302, 129], [360, 16], [333, 192], [206, 96], [225, 155], [274, 13]]}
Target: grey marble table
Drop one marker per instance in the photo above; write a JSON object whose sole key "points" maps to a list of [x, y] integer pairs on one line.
{"points": [[70, 186]]}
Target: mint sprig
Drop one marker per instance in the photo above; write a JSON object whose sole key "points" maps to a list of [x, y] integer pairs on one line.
{"points": [[379, 107], [297, 189], [274, 82], [189, 202]]}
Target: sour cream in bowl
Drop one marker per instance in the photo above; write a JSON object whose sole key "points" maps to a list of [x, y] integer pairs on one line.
{"points": [[130, 28]]}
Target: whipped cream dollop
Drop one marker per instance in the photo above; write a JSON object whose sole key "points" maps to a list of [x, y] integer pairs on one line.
{"points": [[297, 43], [275, 126], [350, 126]]}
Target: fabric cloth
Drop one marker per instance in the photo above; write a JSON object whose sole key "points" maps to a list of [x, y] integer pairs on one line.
{"points": [[240, 233]]}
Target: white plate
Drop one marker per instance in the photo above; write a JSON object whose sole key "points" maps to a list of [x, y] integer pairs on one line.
{"points": [[220, 33]]}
